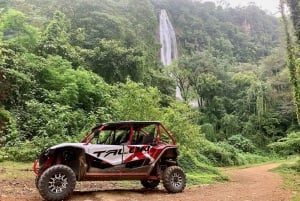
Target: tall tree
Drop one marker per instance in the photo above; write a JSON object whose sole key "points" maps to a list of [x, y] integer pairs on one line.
{"points": [[114, 62], [17, 31], [56, 38], [293, 48]]}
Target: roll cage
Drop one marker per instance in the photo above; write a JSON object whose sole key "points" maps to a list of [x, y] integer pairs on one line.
{"points": [[133, 132]]}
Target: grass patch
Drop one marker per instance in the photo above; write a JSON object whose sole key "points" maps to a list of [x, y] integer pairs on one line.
{"points": [[250, 158], [16, 170], [197, 179], [204, 174], [290, 172], [198, 170], [257, 160]]}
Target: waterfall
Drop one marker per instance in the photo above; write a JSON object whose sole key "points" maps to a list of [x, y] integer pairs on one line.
{"points": [[168, 43], [167, 39]]}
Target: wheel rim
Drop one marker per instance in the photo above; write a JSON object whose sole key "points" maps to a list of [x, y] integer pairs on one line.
{"points": [[58, 183], [176, 180], [150, 181]]}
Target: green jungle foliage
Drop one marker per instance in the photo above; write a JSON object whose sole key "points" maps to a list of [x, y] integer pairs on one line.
{"points": [[293, 46], [290, 173], [290, 144], [66, 66]]}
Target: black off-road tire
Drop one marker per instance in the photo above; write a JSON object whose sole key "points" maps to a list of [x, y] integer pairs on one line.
{"points": [[37, 179], [174, 179], [57, 183], [149, 183]]}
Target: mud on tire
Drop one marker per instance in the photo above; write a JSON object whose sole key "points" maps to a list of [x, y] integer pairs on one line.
{"points": [[151, 184], [37, 179], [174, 179], [57, 183]]}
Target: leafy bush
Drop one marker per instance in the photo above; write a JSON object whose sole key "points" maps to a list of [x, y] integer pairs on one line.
{"points": [[288, 145], [3, 155], [296, 166], [249, 158], [219, 154], [30, 150], [198, 168], [241, 143], [209, 132], [5, 116], [180, 120], [10, 130], [134, 101]]}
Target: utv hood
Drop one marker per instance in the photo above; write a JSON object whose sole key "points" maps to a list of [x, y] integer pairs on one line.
{"points": [[75, 145]]}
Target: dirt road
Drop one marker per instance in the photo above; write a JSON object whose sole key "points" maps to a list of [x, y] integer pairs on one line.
{"points": [[249, 184]]}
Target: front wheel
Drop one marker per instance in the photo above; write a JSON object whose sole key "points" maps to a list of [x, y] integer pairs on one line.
{"points": [[37, 179], [57, 183], [149, 183], [174, 179]]}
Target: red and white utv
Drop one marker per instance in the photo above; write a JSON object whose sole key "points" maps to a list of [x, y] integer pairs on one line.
{"points": [[126, 150]]}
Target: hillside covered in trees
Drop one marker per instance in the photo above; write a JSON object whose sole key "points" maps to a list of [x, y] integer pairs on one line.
{"points": [[66, 66]]}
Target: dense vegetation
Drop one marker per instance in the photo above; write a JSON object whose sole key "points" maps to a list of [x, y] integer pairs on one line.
{"points": [[67, 65], [290, 144]]}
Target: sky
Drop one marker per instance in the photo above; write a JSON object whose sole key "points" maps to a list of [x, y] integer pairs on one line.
{"points": [[271, 6]]}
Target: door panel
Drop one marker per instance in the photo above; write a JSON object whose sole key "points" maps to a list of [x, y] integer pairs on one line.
{"points": [[137, 155], [111, 154]]}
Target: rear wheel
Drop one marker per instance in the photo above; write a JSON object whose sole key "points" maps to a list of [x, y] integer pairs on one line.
{"points": [[57, 183], [174, 179], [148, 183]]}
